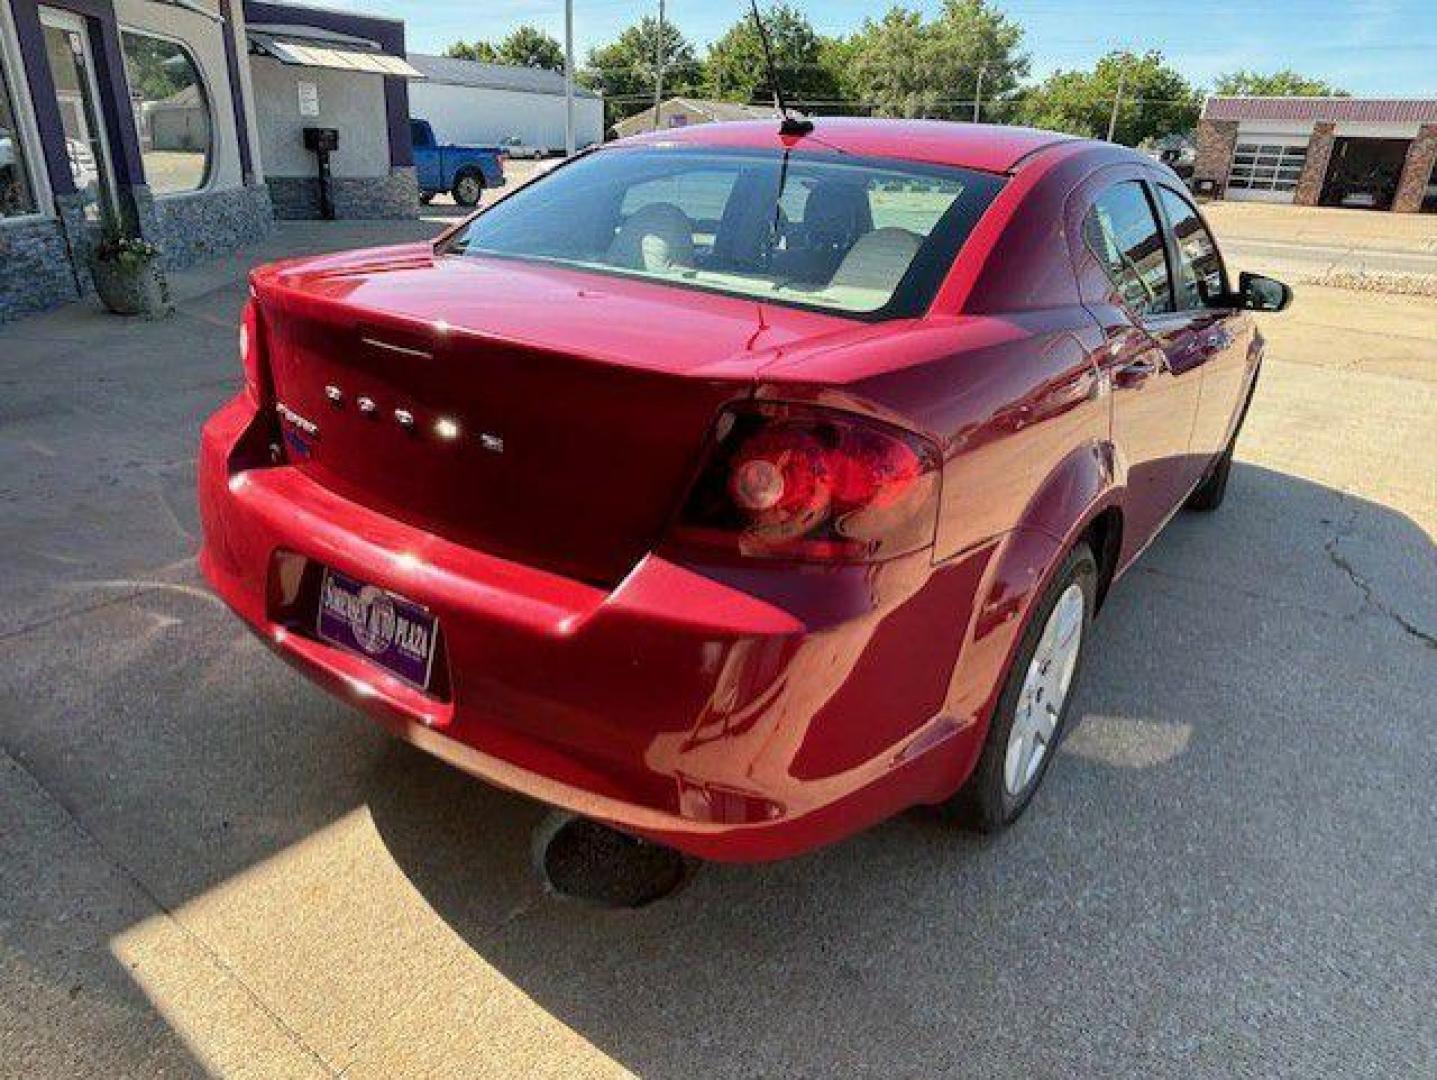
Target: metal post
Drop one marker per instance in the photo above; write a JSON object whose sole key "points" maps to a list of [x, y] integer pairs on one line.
{"points": [[569, 78], [978, 93], [659, 67], [1117, 98]]}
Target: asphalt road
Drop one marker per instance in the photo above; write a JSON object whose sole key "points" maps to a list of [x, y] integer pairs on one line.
{"points": [[209, 867]]}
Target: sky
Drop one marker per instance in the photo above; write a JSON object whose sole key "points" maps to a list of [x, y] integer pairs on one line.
{"points": [[1372, 47]]}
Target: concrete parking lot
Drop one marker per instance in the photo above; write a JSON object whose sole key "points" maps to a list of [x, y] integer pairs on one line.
{"points": [[209, 867]]}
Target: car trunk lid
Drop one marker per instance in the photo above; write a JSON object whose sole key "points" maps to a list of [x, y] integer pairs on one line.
{"points": [[544, 415]]}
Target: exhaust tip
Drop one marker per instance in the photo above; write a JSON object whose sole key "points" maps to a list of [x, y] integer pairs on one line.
{"points": [[584, 860]]}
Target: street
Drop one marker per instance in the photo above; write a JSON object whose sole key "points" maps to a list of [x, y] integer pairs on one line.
{"points": [[209, 867]]}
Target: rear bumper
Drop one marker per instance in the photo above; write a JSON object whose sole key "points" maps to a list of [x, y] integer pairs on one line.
{"points": [[738, 714]]}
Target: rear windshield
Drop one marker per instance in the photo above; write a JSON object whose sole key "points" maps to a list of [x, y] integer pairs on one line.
{"points": [[856, 236]]}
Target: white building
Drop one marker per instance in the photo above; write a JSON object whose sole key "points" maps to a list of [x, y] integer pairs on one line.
{"points": [[469, 102], [677, 112]]}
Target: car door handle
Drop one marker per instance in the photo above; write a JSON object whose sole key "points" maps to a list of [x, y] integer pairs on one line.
{"points": [[1135, 373]]}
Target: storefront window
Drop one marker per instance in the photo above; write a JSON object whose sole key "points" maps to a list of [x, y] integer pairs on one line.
{"points": [[76, 95], [16, 195], [172, 113]]}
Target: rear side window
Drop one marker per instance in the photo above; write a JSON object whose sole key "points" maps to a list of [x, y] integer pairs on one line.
{"points": [[1122, 232], [1199, 276]]}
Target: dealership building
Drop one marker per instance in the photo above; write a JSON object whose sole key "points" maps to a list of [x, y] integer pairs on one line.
{"points": [[186, 119], [1367, 153]]}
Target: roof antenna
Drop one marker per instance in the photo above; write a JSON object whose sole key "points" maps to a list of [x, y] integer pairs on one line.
{"points": [[787, 125]]}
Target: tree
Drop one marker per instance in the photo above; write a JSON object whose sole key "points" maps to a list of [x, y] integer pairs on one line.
{"points": [[903, 66], [1154, 101], [1285, 83], [475, 50], [735, 69], [973, 38], [624, 70], [532, 48], [887, 67]]}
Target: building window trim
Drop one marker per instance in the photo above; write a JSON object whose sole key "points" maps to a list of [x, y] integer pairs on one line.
{"points": [[14, 83], [213, 158]]}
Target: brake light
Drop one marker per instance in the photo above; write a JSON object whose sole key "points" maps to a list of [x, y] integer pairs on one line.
{"points": [[813, 484]]}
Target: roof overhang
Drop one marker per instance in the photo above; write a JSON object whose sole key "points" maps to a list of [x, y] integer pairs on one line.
{"points": [[1322, 109], [304, 46]]}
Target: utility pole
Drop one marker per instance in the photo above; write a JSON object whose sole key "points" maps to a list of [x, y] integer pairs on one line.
{"points": [[978, 93], [569, 78], [1117, 99], [659, 67]]}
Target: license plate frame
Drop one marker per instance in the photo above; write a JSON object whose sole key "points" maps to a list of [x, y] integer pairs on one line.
{"points": [[392, 632]]}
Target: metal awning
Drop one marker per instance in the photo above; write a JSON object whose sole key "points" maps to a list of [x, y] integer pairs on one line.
{"points": [[330, 55]]}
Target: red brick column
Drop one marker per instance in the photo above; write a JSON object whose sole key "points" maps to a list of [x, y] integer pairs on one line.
{"points": [[1314, 170], [1216, 140], [1416, 171]]}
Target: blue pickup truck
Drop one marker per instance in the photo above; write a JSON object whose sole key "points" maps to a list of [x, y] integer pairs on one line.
{"points": [[463, 171]]}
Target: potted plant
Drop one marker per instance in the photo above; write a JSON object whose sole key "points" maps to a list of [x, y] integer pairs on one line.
{"points": [[128, 275]]}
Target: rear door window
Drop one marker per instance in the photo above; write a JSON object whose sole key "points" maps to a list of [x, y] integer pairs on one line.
{"points": [[1123, 233], [1199, 270]]}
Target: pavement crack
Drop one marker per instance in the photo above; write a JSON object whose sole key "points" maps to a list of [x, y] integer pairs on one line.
{"points": [[1364, 587], [68, 613]]}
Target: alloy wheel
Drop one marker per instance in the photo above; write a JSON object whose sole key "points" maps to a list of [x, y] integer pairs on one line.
{"points": [[1045, 691]]}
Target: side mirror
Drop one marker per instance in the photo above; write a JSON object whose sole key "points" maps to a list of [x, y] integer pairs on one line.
{"points": [[1258, 293]]}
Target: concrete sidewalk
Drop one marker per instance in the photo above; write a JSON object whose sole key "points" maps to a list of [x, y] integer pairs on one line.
{"points": [[1350, 230], [208, 867]]}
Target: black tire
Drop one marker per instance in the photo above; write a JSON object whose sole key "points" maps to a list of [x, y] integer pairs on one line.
{"points": [[1208, 495], [984, 802], [468, 188], [426, 197]]}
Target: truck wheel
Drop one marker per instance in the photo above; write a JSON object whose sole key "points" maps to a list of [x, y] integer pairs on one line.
{"points": [[468, 188], [426, 197]]}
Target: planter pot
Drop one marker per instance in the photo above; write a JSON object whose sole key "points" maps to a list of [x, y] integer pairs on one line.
{"points": [[132, 288]]}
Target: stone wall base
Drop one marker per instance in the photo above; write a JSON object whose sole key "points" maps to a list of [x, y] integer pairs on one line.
{"points": [[35, 270], [46, 262], [195, 227], [392, 197]]}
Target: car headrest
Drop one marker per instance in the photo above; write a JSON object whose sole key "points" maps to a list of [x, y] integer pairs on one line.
{"points": [[659, 236], [878, 260], [837, 212]]}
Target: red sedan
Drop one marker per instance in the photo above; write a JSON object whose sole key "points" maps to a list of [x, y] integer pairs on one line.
{"points": [[736, 488]]}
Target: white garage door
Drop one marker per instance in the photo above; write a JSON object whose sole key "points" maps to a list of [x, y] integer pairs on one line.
{"points": [[1266, 171]]}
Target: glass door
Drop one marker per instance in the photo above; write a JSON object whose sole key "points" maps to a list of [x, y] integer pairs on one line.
{"points": [[67, 46]]}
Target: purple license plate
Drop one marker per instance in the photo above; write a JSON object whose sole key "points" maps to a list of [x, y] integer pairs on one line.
{"points": [[388, 630]]}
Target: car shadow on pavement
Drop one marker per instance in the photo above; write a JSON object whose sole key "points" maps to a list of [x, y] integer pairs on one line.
{"points": [[1145, 870], [1209, 873]]}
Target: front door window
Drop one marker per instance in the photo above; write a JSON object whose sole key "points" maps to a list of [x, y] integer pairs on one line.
{"points": [[70, 67]]}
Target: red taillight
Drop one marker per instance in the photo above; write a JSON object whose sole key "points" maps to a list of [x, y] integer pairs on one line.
{"points": [[250, 350], [813, 484]]}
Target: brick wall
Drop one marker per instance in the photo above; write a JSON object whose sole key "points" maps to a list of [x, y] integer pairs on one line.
{"points": [[1417, 171], [1215, 142], [1314, 170]]}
